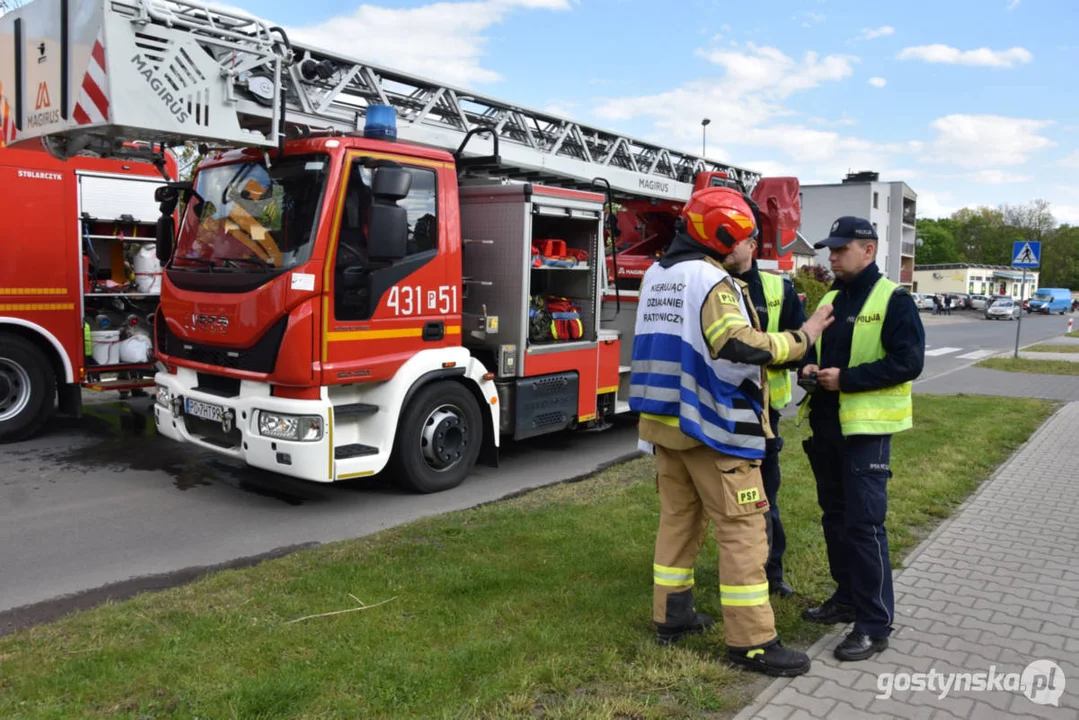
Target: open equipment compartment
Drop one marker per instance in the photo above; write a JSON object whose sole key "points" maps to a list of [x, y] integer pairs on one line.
{"points": [[546, 379], [121, 277], [563, 269]]}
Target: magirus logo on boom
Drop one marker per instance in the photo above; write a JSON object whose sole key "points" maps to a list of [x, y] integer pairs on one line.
{"points": [[160, 88]]}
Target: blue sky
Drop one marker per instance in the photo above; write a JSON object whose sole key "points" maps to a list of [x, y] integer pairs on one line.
{"points": [[971, 102]]}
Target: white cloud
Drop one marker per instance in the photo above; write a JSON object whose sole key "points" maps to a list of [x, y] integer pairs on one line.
{"points": [[874, 33], [984, 141], [771, 168], [443, 41], [811, 19], [1014, 4], [936, 204], [997, 177], [877, 82], [1072, 161], [825, 122], [1066, 214], [983, 57], [750, 93]]}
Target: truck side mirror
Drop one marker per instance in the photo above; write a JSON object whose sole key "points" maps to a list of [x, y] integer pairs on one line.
{"points": [[391, 183], [165, 232], [387, 232]]}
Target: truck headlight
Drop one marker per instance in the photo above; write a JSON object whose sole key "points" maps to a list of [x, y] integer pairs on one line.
{"points": [[302, 428], [164, 396]]}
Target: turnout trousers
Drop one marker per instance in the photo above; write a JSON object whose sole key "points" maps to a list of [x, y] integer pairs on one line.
{"points": [[699, 485], [852, 489], [771, 475]]}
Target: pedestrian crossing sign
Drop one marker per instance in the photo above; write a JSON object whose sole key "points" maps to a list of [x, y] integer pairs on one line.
{"points": [[1026, 254]]}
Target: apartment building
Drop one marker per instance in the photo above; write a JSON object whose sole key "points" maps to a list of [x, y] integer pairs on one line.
{"points": [[889, 206]]}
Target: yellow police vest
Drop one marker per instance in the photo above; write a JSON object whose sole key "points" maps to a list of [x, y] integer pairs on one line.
{"points": [[875, 412], [779, 381]]}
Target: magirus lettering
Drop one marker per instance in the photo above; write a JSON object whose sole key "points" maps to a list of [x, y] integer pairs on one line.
{"points": [[656, 185], [161, 88]]}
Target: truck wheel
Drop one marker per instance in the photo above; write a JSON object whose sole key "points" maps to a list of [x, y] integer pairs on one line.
{"points": [[27, 388], [438, 438]]}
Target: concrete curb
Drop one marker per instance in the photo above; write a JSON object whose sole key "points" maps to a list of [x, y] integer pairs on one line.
{"points": [[777, 686]]}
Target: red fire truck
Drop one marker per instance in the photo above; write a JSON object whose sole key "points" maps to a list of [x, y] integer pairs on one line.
{"points": [[79, 283], [360, 283]]}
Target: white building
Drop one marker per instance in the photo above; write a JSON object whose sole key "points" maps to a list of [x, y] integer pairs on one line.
{"points": [[975, 279], [889, 206]]}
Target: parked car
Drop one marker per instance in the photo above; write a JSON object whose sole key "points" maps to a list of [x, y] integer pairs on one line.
{"points": [[924, 301], [1050, 300], [960, 301], [1003, 308], [978, 302]]}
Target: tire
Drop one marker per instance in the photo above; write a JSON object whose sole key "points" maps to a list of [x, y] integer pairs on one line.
{"points": [[438, 438], [27, 389]]}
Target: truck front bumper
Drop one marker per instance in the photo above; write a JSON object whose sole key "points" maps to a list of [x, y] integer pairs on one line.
{"points": [[230, 426]]}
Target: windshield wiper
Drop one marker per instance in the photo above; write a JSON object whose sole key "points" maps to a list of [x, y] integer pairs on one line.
{"points": [[208, 263], [250, 261]]}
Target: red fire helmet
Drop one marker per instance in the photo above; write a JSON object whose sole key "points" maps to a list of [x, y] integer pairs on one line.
{"points": [[719, 218]]}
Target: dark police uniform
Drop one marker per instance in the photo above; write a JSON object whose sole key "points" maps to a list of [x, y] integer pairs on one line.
{"points": [[791, 317], [852, 469]]}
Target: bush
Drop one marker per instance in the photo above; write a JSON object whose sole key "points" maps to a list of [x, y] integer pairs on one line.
{"points": [[813, 281]]}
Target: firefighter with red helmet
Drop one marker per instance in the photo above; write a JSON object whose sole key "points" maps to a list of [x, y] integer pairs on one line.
{"points": [[699, 383]]}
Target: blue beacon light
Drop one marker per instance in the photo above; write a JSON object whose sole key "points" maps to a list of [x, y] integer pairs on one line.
{"points": [[381, 123]]}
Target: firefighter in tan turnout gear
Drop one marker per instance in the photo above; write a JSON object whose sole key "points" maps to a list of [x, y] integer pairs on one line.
{"points": [[699, 384]]}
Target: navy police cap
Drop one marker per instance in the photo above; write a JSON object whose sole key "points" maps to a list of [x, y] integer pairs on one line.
{"points": [[848, 228]]}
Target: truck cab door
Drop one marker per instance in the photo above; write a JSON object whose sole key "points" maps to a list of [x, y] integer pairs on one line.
{"points": [[387, 294]]}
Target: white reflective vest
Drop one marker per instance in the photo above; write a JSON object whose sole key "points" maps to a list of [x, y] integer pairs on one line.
{"points": [[675, 380]]}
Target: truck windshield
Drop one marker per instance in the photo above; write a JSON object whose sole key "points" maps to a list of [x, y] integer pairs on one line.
{"points": [[245, 217]]}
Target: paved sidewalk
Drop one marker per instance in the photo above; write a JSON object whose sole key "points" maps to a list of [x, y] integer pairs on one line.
{"points": [[991, 590]]}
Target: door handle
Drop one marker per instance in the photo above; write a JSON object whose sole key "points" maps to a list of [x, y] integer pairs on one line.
{"points": [[434, 331]]}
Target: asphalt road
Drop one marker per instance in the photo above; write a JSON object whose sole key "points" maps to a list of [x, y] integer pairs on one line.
{"points": [[963, 338], [98, 509], [102, 508]]}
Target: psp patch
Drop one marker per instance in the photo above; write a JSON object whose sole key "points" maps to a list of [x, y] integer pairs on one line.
{"points": [[727, 298], [748, 496]]}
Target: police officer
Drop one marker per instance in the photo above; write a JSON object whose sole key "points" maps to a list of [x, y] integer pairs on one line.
{"points": [[863, 367], [699, 386], [778, 308]]}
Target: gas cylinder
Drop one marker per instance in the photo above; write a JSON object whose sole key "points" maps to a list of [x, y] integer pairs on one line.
{"points": [[147, 270]]}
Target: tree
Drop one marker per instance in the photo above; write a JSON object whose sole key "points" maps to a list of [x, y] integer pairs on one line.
{"points": [[938, 242], [1060, 258], [813, 281], [1034, 219], [187, 158]]}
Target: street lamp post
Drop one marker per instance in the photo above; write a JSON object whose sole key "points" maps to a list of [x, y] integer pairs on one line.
{"points": [[704, 146]]}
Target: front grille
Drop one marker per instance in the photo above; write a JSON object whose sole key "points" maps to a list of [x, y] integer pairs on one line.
{"points": [[210, 431], [260, 357], [218, 385]]}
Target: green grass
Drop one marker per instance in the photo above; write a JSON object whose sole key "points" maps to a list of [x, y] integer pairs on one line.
{"points": [[1024, 365], [1053, 348], [1074, 334], [535, 607]]}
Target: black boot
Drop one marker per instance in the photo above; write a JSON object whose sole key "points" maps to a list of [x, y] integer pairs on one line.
{"points": [[780, 588], [830, 613], [859, 646], [771, 659], [682, 619]]}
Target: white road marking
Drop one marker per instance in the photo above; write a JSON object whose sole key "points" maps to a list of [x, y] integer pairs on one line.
{"points": [[942, 351], [977, 354]]}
